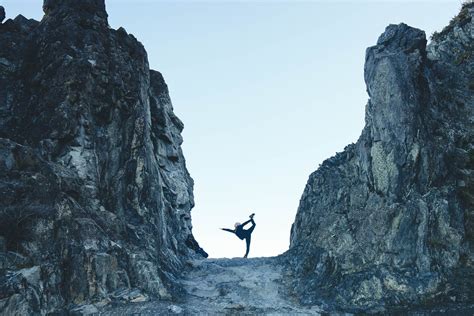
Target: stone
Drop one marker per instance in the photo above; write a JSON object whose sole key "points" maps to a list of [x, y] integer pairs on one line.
{"points": [[94, 188], [127, 294], [32, 275], [15, 305], [175, 309], [87, 8], [84, 310], [385, 224], [226, 286], [139, 299], [11, 260], [96, 199], [3, 245], [2, 14], [103, 303]]}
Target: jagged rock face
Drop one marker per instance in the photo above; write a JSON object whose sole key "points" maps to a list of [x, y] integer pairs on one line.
{"points": [[94, 192], [390, 221]]}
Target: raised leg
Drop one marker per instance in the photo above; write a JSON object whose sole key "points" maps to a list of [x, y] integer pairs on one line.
{"points": [[250, 230]]}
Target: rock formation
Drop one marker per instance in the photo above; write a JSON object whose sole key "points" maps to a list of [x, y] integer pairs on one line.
{"points": [[2, 14], [95, 198], [390, 220]]}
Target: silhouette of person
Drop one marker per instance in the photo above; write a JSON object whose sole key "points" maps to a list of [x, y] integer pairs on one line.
{"points": [[243, 233]]}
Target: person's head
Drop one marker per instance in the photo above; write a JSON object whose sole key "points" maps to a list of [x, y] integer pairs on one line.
{"points": [[236, 224]]}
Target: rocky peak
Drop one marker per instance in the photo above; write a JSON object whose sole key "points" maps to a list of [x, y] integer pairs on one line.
{"points": [[2, 14], [402, 37], [398, 93], [84, 9], [399, 46]]}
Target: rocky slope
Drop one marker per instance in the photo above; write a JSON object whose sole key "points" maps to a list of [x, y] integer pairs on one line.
{"points": [[95, 198], [390, 220]]}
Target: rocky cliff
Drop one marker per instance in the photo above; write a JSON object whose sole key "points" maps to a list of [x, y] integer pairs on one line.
{"points": [[390, 220], [95, 198]]}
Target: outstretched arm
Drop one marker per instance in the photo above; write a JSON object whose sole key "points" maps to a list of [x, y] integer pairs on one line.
{"points": [[228, 230]]}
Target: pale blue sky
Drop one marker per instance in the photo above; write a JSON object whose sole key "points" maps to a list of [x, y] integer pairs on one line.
{"points": [[266, 89]]}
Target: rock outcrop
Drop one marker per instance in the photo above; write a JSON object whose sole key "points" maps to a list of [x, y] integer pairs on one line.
{"points": [[390, 220], [2, 14], [95, 198]]}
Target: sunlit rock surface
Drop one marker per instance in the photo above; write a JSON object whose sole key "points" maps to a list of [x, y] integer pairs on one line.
{"points": [[95, 198], [390, 220]]}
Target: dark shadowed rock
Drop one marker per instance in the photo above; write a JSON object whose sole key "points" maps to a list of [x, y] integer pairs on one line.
{"points": [[2, 14], [388, 222], [89, 7], [95, 198]]}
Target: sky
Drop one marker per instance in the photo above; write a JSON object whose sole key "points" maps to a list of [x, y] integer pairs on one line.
{"points": [[267, 91]]}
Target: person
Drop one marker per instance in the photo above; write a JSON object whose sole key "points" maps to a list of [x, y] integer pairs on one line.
{"points": [[243, 233]]}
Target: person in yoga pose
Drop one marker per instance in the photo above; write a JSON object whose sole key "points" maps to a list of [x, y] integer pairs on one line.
{"points": [[243, 233]]}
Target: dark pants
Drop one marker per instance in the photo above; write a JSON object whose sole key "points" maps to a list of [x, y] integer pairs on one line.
{"points": [[248, 235]]}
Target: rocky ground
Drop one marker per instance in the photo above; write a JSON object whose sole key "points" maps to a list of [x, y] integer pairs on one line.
{"points": [[257, 286], [228, 286]]}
